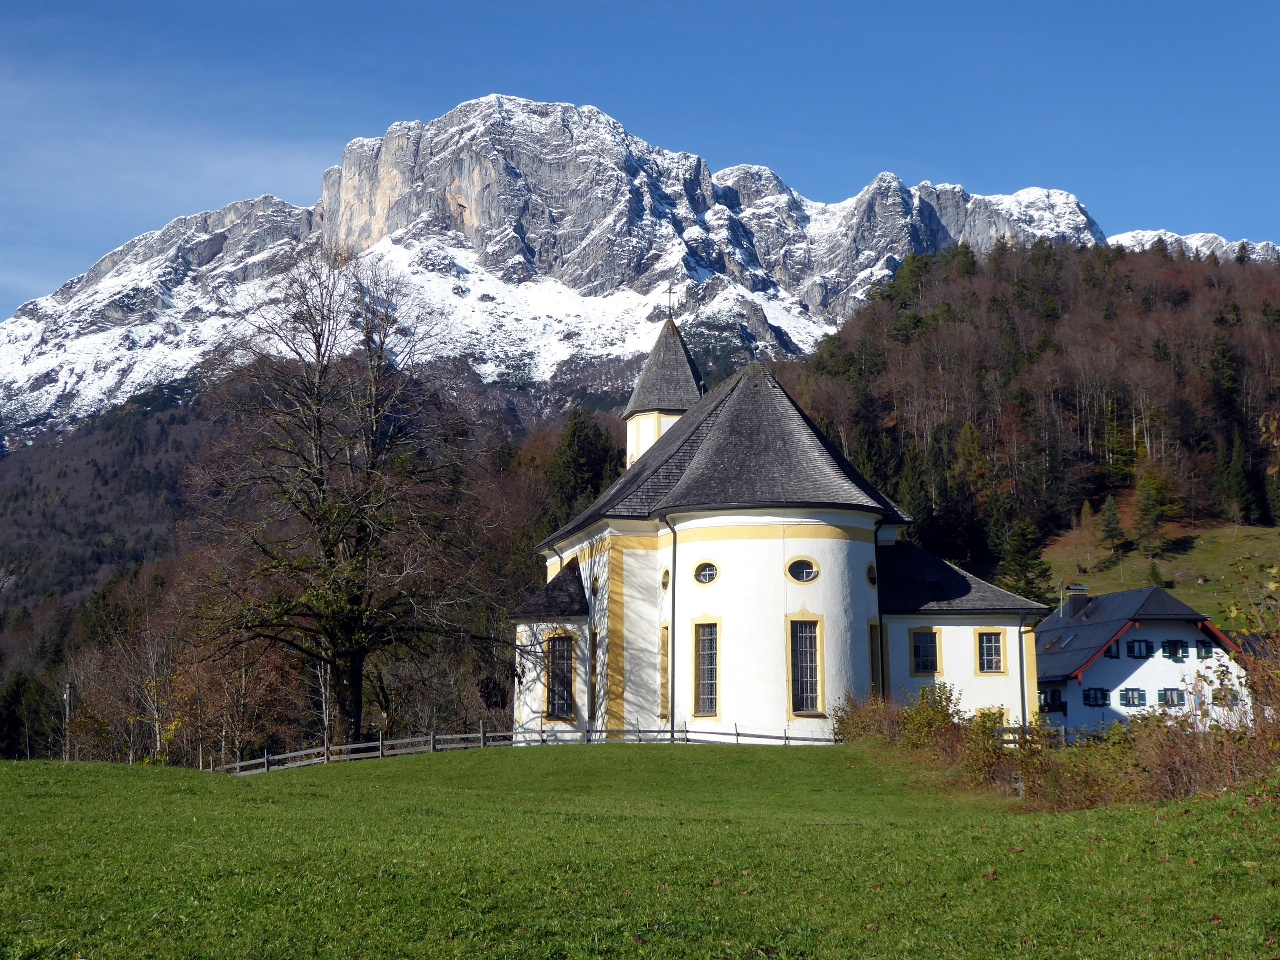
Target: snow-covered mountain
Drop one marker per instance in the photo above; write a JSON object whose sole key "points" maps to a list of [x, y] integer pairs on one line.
{"points": [[1192, 244], [546, 236]]}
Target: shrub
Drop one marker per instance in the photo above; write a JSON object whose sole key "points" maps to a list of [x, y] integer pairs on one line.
{"points": [[861, 720], [934, 722]]}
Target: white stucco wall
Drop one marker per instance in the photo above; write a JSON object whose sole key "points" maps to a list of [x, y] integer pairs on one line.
{"points": [[751, 600], [530, 722], [1193, 675], [643, 431], [958, 662]]}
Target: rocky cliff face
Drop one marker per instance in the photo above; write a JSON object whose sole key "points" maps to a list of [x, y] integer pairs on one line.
{"points": [[547, 237]]}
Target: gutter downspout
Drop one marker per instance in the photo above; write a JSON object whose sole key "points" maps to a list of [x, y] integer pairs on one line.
{"points": [[1022, 671], [880, 639], [671, 638]]}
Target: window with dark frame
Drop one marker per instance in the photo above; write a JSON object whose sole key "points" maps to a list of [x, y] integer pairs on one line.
{"points": [[1140, 649], [560, 678], [707, 669], [1096, 697], [1204, 650], [1133, 697], [1172, 697], [990, 653], [924, 651], [804, 666], [1174, 649], [1113, 651]]}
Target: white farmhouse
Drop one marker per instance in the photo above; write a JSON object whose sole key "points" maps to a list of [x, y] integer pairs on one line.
{"points": [[741, 576], [1109, 657]]}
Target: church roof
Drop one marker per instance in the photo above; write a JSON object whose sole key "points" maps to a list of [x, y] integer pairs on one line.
{"points": [[562, 597], [1066, 645], [913, 580], [669, 381], [745, 444]]}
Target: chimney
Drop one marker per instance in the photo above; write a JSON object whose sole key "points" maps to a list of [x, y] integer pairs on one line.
{"points": [[1077, 600]]}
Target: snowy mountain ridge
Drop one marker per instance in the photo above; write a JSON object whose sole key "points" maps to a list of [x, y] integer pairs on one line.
{"points": [[547, 237], [1196, 244]]}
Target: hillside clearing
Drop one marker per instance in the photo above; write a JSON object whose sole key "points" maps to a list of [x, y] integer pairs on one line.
{"points": [[1199, 565], [616, 851]]}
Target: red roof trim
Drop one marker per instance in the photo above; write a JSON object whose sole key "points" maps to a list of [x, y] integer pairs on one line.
{"points": [[1078, 676], [1208, 629]]}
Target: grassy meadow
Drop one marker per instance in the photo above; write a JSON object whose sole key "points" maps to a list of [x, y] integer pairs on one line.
{"points": [[617, 851], [1199, 563]]}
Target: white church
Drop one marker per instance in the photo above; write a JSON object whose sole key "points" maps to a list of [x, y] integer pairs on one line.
{"points": [[741, 577]]}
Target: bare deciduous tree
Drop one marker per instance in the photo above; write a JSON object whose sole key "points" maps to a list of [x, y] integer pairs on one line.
{"points": [[334, 502]]}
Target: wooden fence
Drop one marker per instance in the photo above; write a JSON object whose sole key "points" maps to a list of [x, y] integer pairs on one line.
{"points": [[437, 743]]}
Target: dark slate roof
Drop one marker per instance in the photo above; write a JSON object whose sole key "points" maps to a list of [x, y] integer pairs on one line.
{"points": [[913, 580], [669, 381], [1065, 644], [562, 597], [745, 444]]}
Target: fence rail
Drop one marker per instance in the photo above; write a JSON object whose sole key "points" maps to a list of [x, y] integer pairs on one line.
{"points": [[441, 742]]}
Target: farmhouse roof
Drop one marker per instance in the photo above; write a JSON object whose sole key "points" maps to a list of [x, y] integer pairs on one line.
{"points": [[562, 597], [746, 444], [913, 580], [669, 381], [1067, 645]]}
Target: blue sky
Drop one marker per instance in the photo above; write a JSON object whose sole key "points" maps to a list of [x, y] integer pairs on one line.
{"points": [[116, 118]]}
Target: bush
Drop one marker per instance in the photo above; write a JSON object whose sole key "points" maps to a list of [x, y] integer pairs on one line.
{"points": [[860, 720]]}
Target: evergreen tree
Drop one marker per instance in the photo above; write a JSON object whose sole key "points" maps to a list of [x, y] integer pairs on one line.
{"points": [[1024, 570], [1242, 253], [585, 462], [1156, 504], [1237, 484], [1109, 524]]}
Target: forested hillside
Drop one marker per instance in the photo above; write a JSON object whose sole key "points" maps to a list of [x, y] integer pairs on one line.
{"points": [[1025, 385], [997, 400]]}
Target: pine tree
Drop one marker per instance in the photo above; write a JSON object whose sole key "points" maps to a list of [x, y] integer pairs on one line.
{"points": [[1023, 569], [1109, 525], [1242, 253], [585, 462], [1156, 504]]}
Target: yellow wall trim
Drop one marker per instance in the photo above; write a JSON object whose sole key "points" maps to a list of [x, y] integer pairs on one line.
{"points": [[911, 650], [821, 713], [615, 652], [977, 652]]}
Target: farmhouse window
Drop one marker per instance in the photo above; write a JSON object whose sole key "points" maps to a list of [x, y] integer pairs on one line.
{"points": [[1133, 697], [1140, 649], [1113, 651], [560, 678], [707, 670], [1204, 650], [1096, 697], [1174, 649], [804, 666], [1223, 697], [990, 653], [924, 651], [1172, 697]]}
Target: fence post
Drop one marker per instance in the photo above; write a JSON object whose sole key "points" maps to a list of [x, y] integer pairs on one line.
{"points": [[735, 734], [686, 731], [433, 739], [483, 742], [381, 752], [266, 760], [786, 736]]}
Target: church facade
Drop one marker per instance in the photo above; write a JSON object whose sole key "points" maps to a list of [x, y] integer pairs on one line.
{"points": [[742, 576]]}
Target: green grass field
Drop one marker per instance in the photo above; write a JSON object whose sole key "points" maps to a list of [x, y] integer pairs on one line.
{"points": [[1201, 563], [626, 851]]}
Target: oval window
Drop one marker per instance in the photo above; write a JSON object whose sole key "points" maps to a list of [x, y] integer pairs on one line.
{"points": [[872, 577], [705, 572], [803, 571], [666, 579]]}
